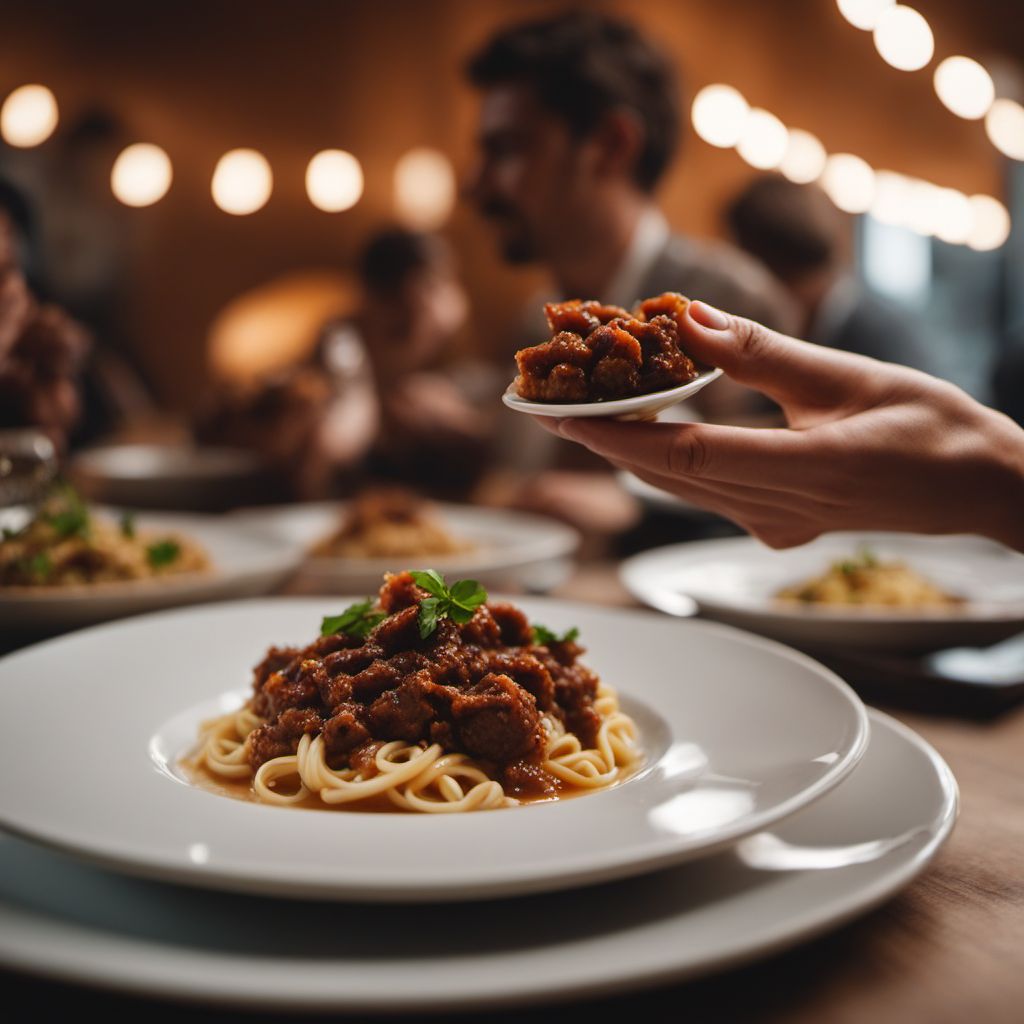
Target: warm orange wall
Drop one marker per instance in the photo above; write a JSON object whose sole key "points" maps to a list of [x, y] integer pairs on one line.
{"points": [[381, 76]]}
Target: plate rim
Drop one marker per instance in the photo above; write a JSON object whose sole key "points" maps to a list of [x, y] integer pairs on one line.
{"points": [[222, 990], [533, 878]]}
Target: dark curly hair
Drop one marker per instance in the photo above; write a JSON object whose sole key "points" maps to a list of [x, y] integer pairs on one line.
{"points": [[581, 65]]}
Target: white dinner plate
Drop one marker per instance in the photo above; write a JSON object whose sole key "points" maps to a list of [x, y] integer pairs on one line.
{"points": [[244, 563], [838, 858], [734, 580], [737, 733], [639, 407], [509, 548]]}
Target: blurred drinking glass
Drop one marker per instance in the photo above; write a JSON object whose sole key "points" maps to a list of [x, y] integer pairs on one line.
{"points": [[28, 464]]}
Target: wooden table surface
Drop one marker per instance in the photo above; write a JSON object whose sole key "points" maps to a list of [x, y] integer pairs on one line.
{"points": [[949, 948]]}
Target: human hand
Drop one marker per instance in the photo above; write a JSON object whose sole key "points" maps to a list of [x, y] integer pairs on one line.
{"points": [[869, 445]]}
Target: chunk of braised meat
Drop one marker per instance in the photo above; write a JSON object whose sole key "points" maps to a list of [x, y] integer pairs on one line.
{"points": [[368, 685], [482, 629], [342, 733], [406, 712], [281, 736], [400, 591], [528, 672], [398, 632], [614, 378], [670, 304], [526, 778], [298, 689], [276, 659], [514, 625], [580, 317], [564, 383], [498, 721], [575, 690]]}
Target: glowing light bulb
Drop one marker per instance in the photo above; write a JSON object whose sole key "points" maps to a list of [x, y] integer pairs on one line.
{"points": [[334, 180], [990, 223], [863, 14], [424, 189], [965, 87], [28, 116], [849, 182], [141, 175], [719, 113], [904, 38], [953, 215], [805, 157], [242, 182], [763, 141], [890, 204], [1004, 124]]}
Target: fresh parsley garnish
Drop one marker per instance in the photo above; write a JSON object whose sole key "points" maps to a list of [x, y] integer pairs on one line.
{"points": [[128, 525], [70, 517], [356, 620], [40, 565], [163, 552], [543, 635], [458, 602], [9, 534]]}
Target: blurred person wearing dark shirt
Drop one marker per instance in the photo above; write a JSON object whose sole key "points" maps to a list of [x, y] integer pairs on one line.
{"points": [[42, 353], [797, 232], [372, 402]]}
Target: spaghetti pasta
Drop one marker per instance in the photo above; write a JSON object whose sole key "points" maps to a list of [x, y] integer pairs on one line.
{"points": [[473, 716]]}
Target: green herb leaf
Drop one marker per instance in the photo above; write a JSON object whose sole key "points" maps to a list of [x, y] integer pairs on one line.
{"points": [[847, 568], [459, 603], [9, 534], [163, 552], [543, 635], [468, 595], [40, 565], [128, 525], [867, 557], [431, 581], [356, 620], [431, 609], [71, 517]]}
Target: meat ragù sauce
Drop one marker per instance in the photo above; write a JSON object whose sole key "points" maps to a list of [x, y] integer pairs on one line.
{"points": [[600, 353], [481, 688]]}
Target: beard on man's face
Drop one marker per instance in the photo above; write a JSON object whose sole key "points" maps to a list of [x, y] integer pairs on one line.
{"points": [[514, 237]]}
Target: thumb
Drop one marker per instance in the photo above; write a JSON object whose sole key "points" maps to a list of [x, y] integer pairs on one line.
{"points": [[784, 368]]}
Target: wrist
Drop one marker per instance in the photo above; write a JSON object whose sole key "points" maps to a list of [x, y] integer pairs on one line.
{"points": [[1005, 516]]}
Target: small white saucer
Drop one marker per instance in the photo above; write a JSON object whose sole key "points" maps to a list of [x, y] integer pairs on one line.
{"points": [[640, 407]]}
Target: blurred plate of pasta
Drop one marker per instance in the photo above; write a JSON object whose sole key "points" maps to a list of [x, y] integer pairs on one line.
{"points": [[69, 564], [872, 591], [349, 545]]}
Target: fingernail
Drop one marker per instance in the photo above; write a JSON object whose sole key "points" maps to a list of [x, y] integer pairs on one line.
{"points": [[565, 428], [708, 316]]}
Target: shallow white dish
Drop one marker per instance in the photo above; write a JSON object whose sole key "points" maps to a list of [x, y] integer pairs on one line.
{"points": [[639, 407], [509, 547], [244, 564], [838, 858], [735, 580], [738, 733], [170, 476]]}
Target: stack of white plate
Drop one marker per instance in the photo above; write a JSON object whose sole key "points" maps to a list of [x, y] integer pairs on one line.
{"points": [[771, 806]]}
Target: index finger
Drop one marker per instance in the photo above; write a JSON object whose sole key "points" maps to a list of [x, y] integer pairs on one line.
{"points": [[778, 459]]}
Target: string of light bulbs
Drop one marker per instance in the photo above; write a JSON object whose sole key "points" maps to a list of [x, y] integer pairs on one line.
{"points": [[904, 40], [722, 117], [424, 188]]}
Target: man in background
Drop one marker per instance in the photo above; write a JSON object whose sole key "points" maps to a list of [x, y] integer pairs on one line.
{"points": [[801, 237], [579, 120]]}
